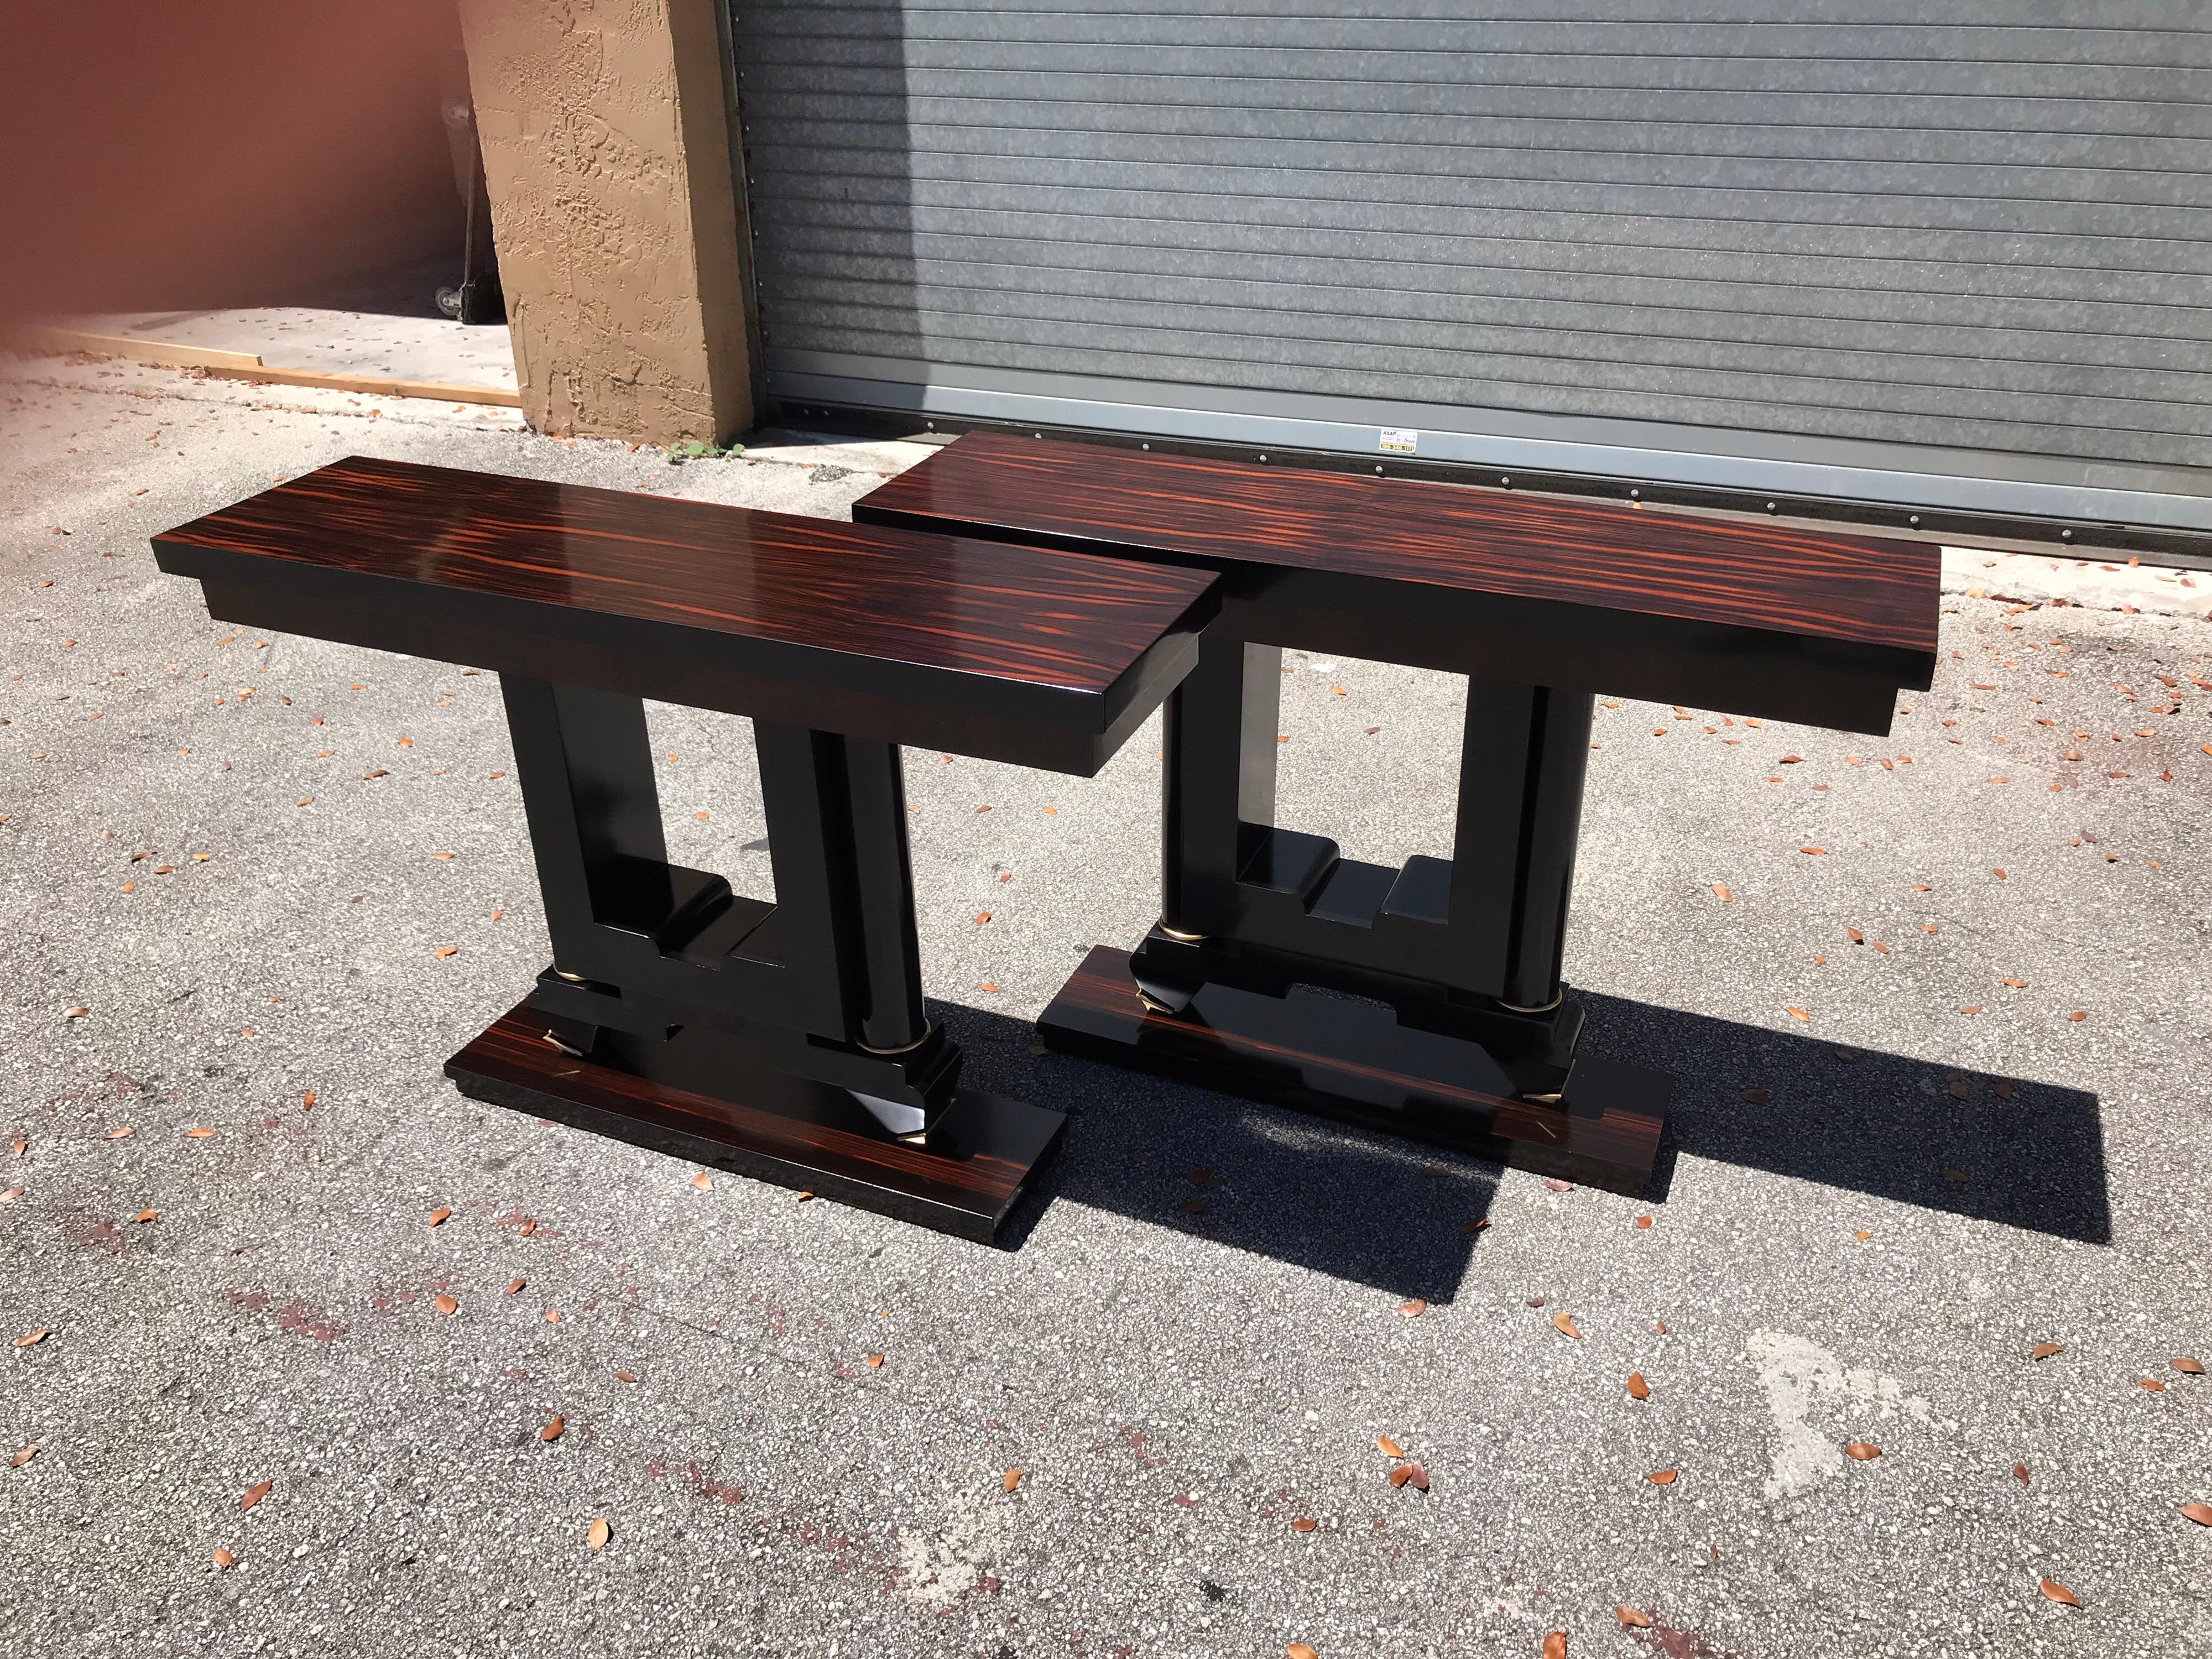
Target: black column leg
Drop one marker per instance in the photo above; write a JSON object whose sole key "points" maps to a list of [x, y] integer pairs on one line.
{"points": [[585, 765], [1455, 1029], [1218, 779], [780, 1041], [844, 884], [1522, 763]]}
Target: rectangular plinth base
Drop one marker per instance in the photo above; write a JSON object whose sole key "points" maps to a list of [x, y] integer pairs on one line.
{"points": [[977, 1163], [1351, 1060]]}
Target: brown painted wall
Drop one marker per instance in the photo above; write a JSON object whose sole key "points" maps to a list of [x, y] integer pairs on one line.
{"points": [[607, 153], [173, 157]]}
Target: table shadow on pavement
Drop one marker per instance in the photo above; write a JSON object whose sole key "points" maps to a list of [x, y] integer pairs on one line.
{"points": [[1372, 1209], [1990, 1147]]}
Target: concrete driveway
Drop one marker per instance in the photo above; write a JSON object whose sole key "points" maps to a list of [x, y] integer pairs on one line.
{"points": [[1943, 1097]]}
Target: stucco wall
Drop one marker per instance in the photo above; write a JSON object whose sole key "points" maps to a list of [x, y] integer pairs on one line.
{"points": [[606, 151]]}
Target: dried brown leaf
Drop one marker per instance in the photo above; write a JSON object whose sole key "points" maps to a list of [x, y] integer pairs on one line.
{"points": [[222, 1558], [1862, 1451], [254, 1494], [198, 1133], [2054, 1591], [1637, 1388], [624, 1377], [145, 1215], [22, 1457], [875, 1361], [445, 1304], [1299, 1651], [1794, 1011], [120, 1132], [32, 1340], [1555, 1645], [2019, 1473], [2200, 1513], [1565, 1326], [1412, 1309], [1757, 1097], [438, 1216], [1202, 1177], [551, 1431], [1722, 893], [1643, 1223], [598, 1533], [1305, 1523], [2184, 1363], [1010, 1479], [1388, 1447], [702, 1182], [1664, 1477], [2044, 1349], [2150, 1385], [1632, 1617], [1410, 1474]]}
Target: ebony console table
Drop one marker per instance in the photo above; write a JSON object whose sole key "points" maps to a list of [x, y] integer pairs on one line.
{"points": [[786, 1041], [1457, 1029]]}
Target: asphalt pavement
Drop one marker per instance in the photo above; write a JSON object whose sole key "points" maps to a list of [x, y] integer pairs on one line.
{"points": [[1934, 1000]]}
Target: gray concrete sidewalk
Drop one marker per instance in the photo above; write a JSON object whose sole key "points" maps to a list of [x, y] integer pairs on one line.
{"points": [[1942, 1099]]}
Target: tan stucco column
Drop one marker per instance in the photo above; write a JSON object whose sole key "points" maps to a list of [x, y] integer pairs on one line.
{"points": [[606, 148]]}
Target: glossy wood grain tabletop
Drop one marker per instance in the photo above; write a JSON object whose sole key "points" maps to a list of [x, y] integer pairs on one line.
{"points": [[1782, 578], [1025, 615]]}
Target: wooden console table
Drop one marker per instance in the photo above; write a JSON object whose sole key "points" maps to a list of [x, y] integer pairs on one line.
{"points": [[1456, 1028], [786, 1041]]}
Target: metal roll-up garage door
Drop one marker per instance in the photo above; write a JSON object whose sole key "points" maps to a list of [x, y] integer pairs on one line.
{"points": [[1820, 246]]}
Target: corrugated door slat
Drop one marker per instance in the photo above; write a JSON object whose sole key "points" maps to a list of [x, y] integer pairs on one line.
{"points": [[1812, 218]]}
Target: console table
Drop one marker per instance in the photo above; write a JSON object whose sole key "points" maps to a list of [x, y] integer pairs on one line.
{"points": [[1427, 1000], [786, 1041]]}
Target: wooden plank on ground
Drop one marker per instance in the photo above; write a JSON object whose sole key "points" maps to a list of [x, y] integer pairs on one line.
{"points": [[248, 365]]}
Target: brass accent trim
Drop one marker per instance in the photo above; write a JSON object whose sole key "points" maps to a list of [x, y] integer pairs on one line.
{"points": [[1177, 933], [1540, 1008], [1152, 1002], [927, 1032], [573, 978], [573, 1054]]}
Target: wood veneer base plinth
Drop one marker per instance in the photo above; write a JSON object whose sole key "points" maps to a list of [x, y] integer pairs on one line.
{"points": [[1350, 1060], [979, 1160]]}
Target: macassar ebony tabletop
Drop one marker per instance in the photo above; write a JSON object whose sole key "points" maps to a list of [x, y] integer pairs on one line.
{"points": [[1426, 999], [1762, 618], [946, 641], [786, 1041]]}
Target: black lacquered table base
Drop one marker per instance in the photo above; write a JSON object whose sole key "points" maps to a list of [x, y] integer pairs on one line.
{"points": [[965, 1177], [1353, 1060]]}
